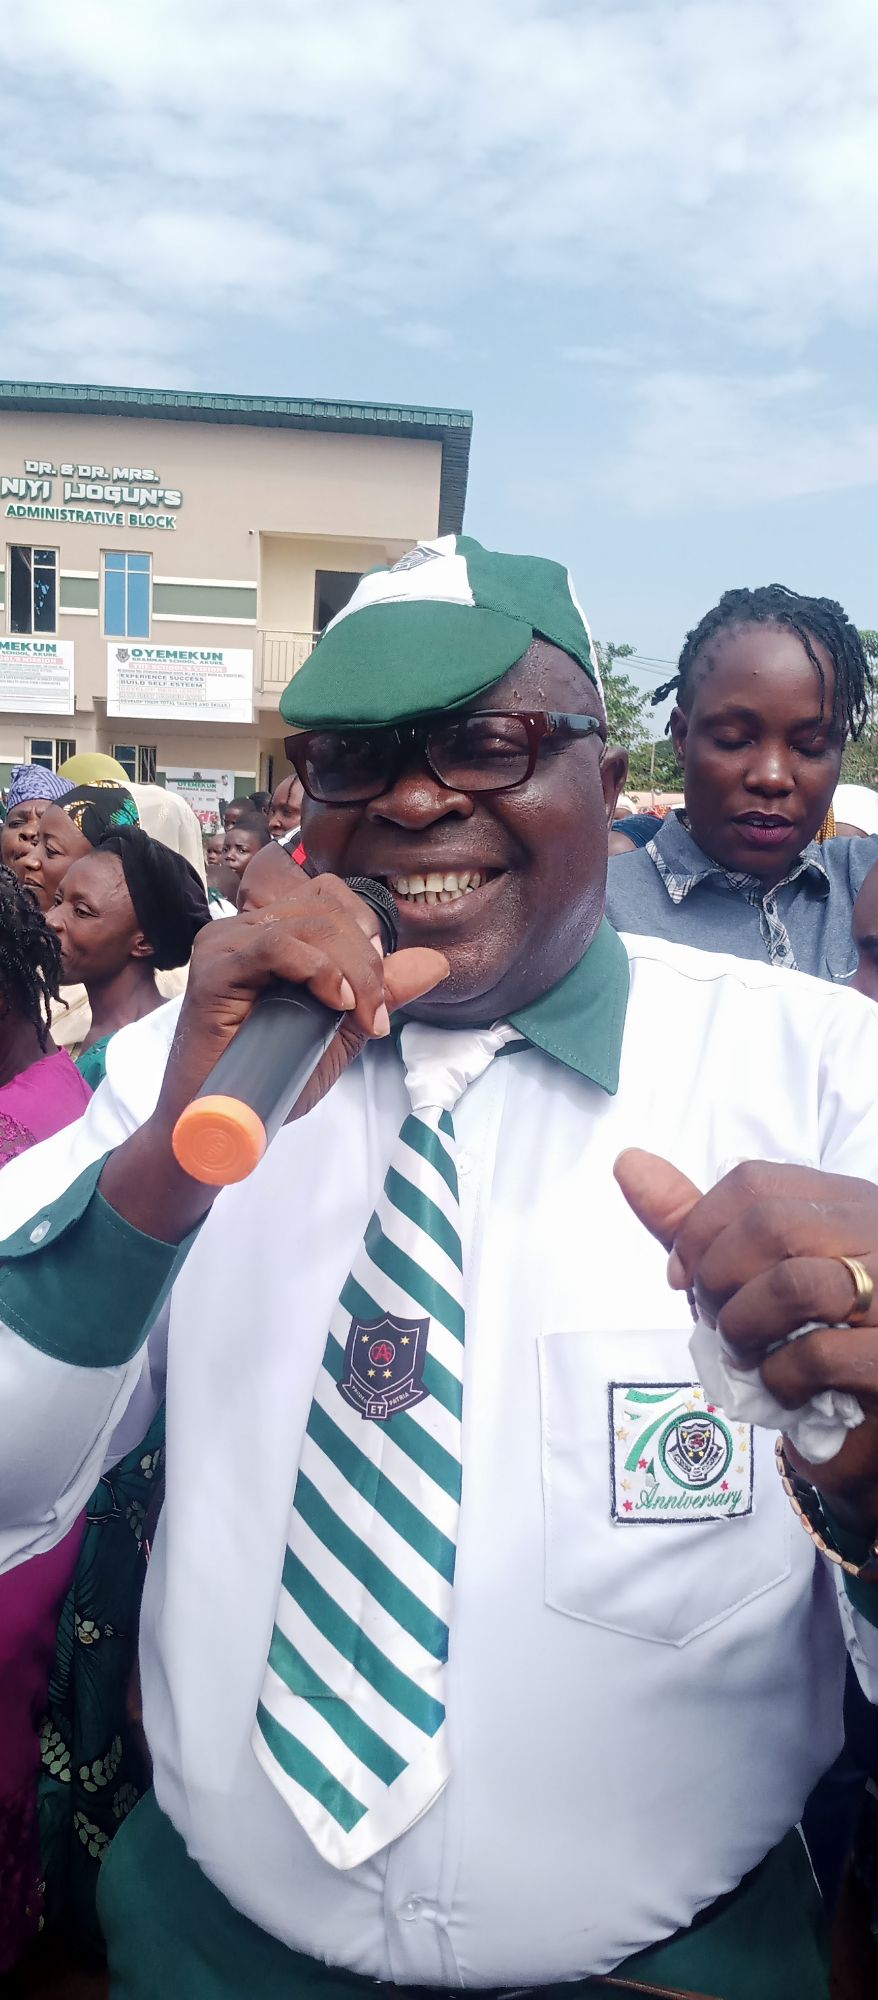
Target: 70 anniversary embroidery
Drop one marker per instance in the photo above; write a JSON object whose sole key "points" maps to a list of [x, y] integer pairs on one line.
{"points": [[675, 1457]]}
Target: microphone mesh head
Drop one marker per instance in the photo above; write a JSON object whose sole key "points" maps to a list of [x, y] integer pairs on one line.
{"points": [[379, 899]]}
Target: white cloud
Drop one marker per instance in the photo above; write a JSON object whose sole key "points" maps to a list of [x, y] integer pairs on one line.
{"points": [[420, 333], [728, 441], [584, 354], [290, 160]]}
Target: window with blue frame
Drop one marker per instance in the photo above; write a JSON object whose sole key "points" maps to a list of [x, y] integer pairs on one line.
{"points": [[127, 592]]}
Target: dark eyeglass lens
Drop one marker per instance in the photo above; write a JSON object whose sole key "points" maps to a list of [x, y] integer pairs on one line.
{"points": [[340, 767], [481, 752]]}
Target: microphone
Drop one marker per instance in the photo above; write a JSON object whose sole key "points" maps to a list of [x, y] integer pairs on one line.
{"points": [[222, 1135]]}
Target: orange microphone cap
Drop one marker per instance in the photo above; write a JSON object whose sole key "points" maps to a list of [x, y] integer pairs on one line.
{"points": [[218, 1140]]}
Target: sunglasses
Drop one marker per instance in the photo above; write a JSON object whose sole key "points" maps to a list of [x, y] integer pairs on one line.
{"points": [[486, 750]]}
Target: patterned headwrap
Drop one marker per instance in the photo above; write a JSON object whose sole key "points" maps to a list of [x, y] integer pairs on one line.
{"points": [[33, 781], [97, 809], [169, 898]]}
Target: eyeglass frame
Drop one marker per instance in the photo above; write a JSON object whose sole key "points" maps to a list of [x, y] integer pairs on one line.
{"points": [[413, 734]]}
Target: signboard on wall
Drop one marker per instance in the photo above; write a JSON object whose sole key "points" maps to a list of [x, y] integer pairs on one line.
{"points": [[89, 496], [203, 790], [180, 683], [36, 676]]}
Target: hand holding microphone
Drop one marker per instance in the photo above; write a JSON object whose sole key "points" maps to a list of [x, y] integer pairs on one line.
{"points": [[323, 939], [250, 1092]]}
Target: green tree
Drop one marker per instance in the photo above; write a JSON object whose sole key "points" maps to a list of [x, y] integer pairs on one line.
{"points": [[659, 771], [626, 706], [859, 765], [629, 721]]}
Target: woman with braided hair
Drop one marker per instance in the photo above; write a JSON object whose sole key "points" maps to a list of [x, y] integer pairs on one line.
{"points": [[40, 1088], [769, 688]]}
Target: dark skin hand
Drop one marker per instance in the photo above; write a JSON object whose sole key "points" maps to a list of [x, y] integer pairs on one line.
{"points": [[321, 937], [267, 879], [755, 746], [760, 1256]]}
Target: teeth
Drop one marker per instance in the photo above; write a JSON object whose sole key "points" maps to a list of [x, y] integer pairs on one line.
{"points": [[436, 888]]}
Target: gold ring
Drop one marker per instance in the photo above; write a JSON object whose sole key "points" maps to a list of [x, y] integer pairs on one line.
{"points": [[865, 1289]]}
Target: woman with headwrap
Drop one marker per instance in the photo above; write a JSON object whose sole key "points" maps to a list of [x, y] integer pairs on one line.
{"points": [[88, 812], [126, 909], [31, 790], [69, 828]]}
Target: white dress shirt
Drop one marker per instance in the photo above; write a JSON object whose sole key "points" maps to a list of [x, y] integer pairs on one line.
{"points": [[638, 1702]]}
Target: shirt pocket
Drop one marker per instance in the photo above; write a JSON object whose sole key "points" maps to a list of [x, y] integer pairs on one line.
{"points": [[671, 1578]]}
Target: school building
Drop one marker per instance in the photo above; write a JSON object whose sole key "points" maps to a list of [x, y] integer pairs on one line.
{"points": [[168, 559]]}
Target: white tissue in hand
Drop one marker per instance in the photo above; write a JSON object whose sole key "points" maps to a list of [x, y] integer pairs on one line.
{"points": [[818, 1430]]}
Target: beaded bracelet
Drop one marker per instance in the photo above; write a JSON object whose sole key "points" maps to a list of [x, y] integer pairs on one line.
{"points": [[808, 1506]]}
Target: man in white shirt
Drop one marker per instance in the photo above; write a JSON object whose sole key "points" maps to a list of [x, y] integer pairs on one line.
{"points": [[480, 1646]]}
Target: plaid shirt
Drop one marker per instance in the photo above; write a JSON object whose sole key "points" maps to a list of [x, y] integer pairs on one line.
{"points": [[771, 924]]}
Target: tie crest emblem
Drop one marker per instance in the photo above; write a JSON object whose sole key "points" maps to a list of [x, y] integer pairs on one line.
{"points": [[384, 1366]]}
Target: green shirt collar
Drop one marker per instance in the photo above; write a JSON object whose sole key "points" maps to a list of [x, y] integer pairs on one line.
{"points": [[580, 1021]]}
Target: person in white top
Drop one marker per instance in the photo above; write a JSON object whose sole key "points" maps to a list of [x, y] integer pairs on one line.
{"points": [[481, 1646]]}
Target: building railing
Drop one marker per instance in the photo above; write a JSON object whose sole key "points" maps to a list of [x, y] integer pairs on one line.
{"points": [[279, 655]]}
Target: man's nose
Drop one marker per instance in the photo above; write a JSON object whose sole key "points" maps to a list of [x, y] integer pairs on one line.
{"points": [[417, 799]]}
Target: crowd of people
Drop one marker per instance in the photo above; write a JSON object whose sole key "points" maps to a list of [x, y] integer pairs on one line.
{"points": [[510, 1671]]}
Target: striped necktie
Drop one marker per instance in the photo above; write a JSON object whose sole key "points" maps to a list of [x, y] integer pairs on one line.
{"points": [[351, 1722]]}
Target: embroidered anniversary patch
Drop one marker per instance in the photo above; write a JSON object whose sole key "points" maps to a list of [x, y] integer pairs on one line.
{"points": [[674, 1456]]}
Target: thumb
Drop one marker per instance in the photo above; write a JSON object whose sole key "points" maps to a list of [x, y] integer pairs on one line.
{"points": [[408, 974], [659, 1194]]}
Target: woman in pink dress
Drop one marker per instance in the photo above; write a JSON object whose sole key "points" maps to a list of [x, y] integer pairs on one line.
{"points": [[40, 1091]]}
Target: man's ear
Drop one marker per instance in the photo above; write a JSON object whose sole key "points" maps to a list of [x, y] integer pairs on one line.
{"points": [[614, 771], [141, 947]]}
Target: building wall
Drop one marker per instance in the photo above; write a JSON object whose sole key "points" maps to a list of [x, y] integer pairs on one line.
{"points": [[261, 510], [288, 566]]}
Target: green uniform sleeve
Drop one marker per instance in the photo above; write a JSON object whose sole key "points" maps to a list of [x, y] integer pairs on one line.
{"points": [[81, 1284], [855, 1548]]}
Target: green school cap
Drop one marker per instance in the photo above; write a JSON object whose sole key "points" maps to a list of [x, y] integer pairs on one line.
{"points": [[446, 622]]}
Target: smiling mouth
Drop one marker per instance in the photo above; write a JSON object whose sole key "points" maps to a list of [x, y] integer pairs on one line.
{"points": [[449, 885]]}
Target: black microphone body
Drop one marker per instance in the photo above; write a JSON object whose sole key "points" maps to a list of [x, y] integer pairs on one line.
{"points": [[268, 1062], [265, 1069]]}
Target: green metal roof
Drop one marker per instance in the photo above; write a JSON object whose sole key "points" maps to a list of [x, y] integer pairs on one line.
{"points": [[450, 428]]}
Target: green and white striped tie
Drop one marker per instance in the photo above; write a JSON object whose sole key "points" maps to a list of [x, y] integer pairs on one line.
{"points": [[351, 1723]]}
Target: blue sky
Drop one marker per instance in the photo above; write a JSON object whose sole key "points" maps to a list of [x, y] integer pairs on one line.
{"points": [[636, 238]]}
